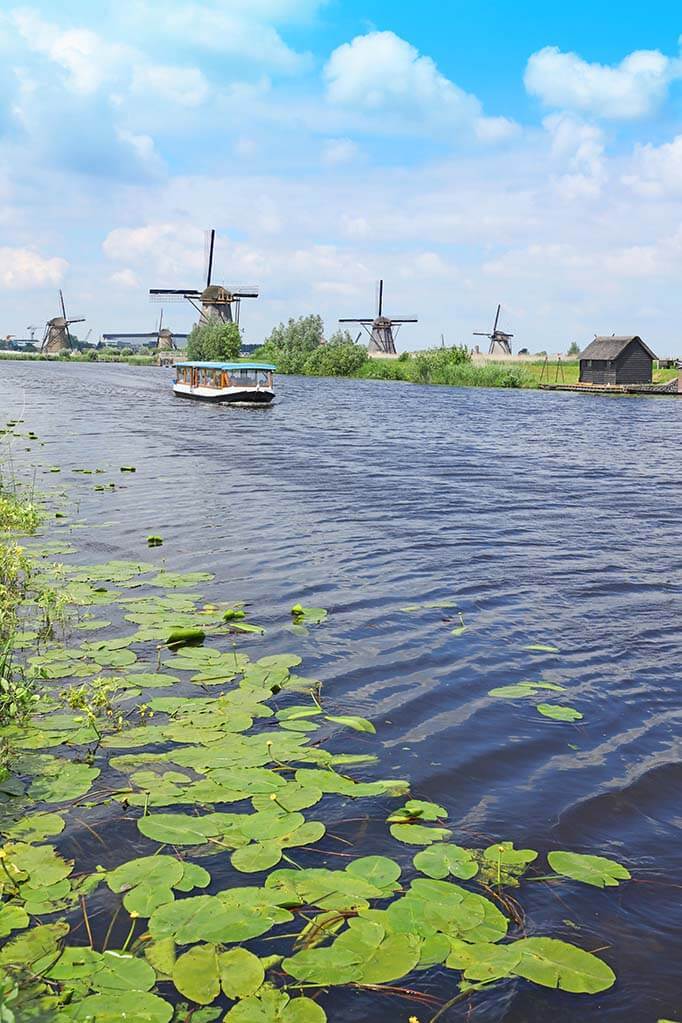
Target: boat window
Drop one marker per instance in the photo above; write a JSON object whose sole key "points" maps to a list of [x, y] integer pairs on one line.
{"points": [[250, 377]]}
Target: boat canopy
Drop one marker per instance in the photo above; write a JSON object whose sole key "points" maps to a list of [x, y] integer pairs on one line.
{"points": [[229, 365]]}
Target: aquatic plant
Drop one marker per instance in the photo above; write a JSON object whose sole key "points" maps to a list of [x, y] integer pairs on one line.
{"points": [[214, 756]]}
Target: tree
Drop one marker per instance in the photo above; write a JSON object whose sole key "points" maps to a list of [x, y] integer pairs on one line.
{"points": [[574, 348], [214, 342], [289, 345], [338, 358]]}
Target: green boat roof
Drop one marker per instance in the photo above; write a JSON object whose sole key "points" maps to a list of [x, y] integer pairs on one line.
{"points": [[228, 365]]}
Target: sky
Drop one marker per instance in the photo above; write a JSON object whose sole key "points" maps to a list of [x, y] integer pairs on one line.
{"points": [[528, 154]]}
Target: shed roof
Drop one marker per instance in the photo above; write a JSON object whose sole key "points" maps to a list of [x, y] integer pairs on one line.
{"points": [[611, 347]]}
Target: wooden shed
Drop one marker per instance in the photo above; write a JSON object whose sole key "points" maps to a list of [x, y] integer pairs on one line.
{"points": [[616, 360]]}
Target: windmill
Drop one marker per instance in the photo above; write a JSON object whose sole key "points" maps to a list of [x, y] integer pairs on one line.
{"points": [[162, 338], [57, 337], [32, 331], [380, 328], [498, 338], [216, 300]]}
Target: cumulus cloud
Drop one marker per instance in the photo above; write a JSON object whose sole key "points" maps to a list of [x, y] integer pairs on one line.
{"points": [[631, 89], [380, 73], [578, 147], [656, 171], [22, 269]]}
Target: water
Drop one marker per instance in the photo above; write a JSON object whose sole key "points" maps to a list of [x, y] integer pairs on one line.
{"points": [[550, 518]]}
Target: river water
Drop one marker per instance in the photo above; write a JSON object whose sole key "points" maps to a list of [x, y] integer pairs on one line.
{"points": [[549, 518]]}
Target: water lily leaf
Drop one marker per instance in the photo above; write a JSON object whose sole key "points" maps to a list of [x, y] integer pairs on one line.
{"points": [[308, 615], [556, 964], [290, 797], [376, 870], [180, 580], [145, 898], [161, 955], [325, 966], [185, 637], [506, 854], [595, 870], [146, 870], [558, 713], [417, 810], [141, 1006], [121, 972], [272, 1005], [183, 829], [36, 828], [241, 973], [193, 876], [234, 916], [443, 859], [195, 974], [256, 857], [434, 950], [39, 862], [483, 961], [356, 723], [12, 918], [36, 949], [523, 689], [417, 834]]}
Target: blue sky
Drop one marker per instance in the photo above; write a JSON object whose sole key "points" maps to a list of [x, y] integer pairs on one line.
{"points": [[524, 154]]}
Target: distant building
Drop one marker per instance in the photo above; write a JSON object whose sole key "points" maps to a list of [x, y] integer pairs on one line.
{"points": [[616, 360]]}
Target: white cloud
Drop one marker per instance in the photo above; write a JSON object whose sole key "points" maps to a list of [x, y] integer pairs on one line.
{"points": [[579, 148], [657, 170], [338, 151], [89, 61], [22, 269], [631, 89], [125, 278], [187, 87], [380, 73], [241, 30]]}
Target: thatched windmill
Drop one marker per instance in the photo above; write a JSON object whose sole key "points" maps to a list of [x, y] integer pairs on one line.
{"points": [[57, 337], [500, 342], [380, 327], [215, 302]]}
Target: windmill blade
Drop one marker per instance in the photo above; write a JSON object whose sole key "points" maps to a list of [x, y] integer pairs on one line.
{"points": [[358, 337], [76, 319], [167, 295], [380, 298], [242, 290], [364, 320], [160, 321], [412, 318], [209, 247], [481, 333], [61, 299], [497, 318]]}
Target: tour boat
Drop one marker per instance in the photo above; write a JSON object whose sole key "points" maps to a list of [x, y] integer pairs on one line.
{"points": [[244, 383]]}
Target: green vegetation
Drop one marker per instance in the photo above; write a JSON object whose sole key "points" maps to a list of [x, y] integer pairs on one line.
{"points": [[215, 755], [214, 342]]}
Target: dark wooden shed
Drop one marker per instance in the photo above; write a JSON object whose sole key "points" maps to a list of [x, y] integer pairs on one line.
{"points": [[616, 360]]}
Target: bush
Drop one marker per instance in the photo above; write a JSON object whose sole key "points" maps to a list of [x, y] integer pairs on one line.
{"points": [[290, 345], [343, 359], [214, 342], [90, 355]]}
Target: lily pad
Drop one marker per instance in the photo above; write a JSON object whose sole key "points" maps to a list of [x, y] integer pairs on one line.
{"points": [[556, 964], [558, 713], [595, 870], [443, 859]]}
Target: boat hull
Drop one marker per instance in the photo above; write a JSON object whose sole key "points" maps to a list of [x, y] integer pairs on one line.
{"points": [[226, 396]]}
